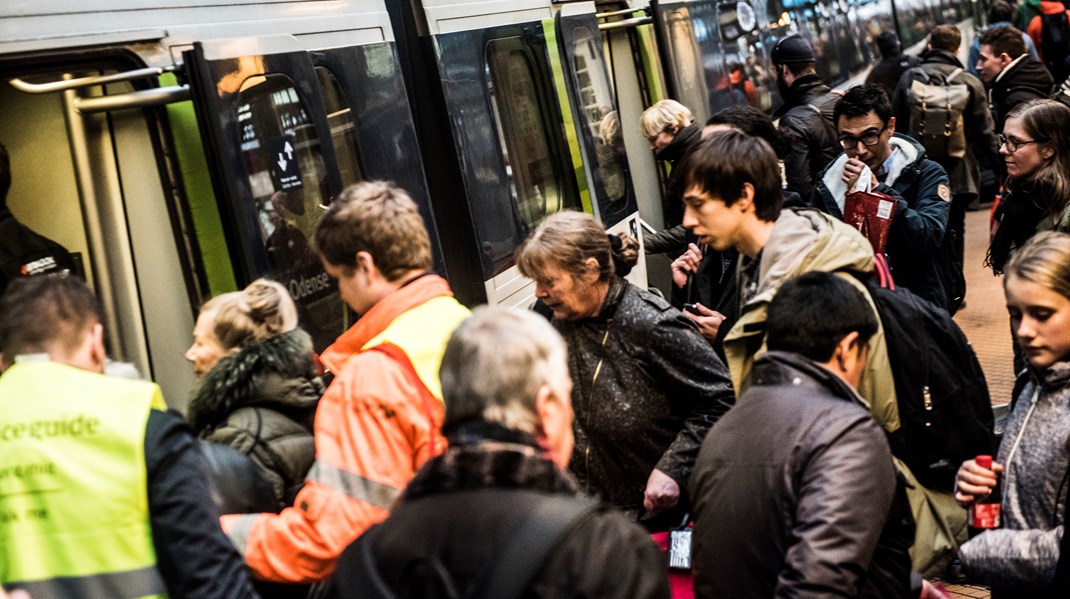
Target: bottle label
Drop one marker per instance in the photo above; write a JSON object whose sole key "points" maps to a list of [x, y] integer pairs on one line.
{"points": [[984, 515]]}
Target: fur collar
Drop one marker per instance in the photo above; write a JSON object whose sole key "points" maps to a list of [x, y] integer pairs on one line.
{"points": [[257, 375], [907, 155]]}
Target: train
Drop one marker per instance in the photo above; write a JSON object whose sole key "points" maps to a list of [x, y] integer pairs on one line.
{"points": [[181, 149]]}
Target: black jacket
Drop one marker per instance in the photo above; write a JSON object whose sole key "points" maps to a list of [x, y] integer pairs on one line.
{"points": [[808, 132], [24, 252], [194, 556], [672, 202], [795, 493], [963, 173], [916, 252], [262, 401], [1022, 81], [660, 387], [888, 71], [459, 510]]}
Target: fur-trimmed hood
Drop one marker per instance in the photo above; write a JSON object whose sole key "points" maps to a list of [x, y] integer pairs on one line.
{"points": [[277, 373]]}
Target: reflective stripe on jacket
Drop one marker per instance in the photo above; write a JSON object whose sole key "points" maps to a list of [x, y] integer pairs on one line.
{"points": [[374, 429], [74, 507]]}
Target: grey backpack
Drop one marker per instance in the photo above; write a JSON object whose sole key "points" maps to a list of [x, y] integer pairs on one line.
{"points": [[937, 105]]}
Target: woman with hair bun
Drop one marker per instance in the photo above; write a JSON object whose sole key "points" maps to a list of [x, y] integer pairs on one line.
{"points": [[646, 385], [259, 387]]}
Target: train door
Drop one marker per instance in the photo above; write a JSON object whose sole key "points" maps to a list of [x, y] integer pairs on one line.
{"points": [[597, 125], [86, 165], [504, 134]]}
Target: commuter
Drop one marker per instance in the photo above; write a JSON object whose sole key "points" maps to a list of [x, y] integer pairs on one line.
{"points": [[999, 14], [1019, 558], [508, 420], [794, 490], [893, 64], [648, 386], [22, 251], [705, 277], [259, 388], [896, 165], [1050, 32], [1036, 147], [806, 122], [104, 493], [973, 137], [1011, 75], [668, 127], [379, 420]]}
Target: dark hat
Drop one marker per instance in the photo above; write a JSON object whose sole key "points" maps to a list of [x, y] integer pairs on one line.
{"points": [[792, 49]]}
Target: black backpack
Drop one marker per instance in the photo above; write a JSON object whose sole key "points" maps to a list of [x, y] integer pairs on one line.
{"points": [[945, 413], [1055, 44]]}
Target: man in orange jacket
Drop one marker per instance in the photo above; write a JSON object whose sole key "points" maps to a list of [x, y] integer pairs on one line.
{"points": [[379, 420]]}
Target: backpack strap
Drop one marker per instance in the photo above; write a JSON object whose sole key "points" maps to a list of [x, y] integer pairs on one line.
{"points": [[527, 549], [953, 74]]}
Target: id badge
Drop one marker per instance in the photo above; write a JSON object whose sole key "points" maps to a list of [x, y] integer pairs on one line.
{"points": [[680, 549]]}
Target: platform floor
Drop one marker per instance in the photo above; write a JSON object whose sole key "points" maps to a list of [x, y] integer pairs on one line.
{"points": [[985, 322]]}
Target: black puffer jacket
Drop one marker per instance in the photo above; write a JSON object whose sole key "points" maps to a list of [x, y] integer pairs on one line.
{"points": [[1024, 80], [459, 511], [795, 493], [262, 402], [807, 130], [659, 388]]}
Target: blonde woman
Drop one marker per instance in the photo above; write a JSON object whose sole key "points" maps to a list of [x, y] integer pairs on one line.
{"points": [[258, 390]]}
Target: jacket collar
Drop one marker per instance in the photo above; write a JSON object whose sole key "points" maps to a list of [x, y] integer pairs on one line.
{"points": [[680, 144], [376, 320], [910, 152], [1010, 67], [487, 464], [941, 57], [777, 368]]}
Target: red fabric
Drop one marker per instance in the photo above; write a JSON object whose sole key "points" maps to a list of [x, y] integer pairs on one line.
{"points": [[681, 583]]}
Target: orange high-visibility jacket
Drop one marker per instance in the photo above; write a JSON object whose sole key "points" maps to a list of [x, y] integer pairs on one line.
{"points": [[376, 424]]}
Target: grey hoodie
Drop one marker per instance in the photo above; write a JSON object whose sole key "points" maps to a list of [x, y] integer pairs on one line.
{"points": [[1025, 551]]}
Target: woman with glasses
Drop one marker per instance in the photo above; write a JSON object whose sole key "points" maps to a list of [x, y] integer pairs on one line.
{"points": [[1035, 145]]}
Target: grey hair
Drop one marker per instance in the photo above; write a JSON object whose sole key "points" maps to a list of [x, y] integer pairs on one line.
{"points": [[494, 365]]}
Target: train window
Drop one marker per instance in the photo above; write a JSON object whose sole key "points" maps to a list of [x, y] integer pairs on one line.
{"points": [[524, 126], [600, 116], [688, 64], [748, 72], [288, 182], [343, 128]]}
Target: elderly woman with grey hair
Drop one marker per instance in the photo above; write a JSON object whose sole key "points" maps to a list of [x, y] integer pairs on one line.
{"points": [[648, 386]]}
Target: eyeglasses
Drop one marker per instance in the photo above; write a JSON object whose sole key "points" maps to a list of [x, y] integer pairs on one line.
{"points": [[869, 139], [1013, 144]]}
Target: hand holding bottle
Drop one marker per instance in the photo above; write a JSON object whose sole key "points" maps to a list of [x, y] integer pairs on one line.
{"points": [[974, 481]]}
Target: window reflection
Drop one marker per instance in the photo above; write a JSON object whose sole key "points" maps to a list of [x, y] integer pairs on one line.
{"points": [[343, 129], [288, 183], [691, 76], [523, 130], [600, 117]]}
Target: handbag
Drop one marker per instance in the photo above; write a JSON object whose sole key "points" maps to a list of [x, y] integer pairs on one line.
{"points": [[870, 212]]}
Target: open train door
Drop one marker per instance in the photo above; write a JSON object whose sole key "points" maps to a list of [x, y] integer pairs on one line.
{"points": [[273, 166], [596, 120]]}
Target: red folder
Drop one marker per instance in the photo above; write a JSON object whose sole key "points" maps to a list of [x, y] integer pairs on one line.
{"points": [[871, 213]]}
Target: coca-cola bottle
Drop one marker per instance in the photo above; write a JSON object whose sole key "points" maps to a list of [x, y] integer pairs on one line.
{"points": [[984, 513]]}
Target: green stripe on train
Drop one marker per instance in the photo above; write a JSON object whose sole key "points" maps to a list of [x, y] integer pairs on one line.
{"points": [[554, 52], [193, 167]]}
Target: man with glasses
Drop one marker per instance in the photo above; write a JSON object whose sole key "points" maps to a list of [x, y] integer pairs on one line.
{"points": [[1010, 73], [896, 165]]}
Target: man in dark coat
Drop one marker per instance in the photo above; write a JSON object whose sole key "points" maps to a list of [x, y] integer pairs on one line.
{"points": [[893, 62], [896, 165], [22, 251], [1011, 74], [794, 491], [941, 64], [508, 419], [806, 123]]}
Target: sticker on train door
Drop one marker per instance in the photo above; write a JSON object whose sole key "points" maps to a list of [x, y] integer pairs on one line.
{"points": [[284, 170]]}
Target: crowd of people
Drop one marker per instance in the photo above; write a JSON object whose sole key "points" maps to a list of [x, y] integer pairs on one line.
{"points": [[781, 426]]}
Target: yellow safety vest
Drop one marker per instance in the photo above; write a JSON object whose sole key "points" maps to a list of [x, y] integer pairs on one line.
{"points": [[74, 513]]}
